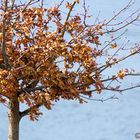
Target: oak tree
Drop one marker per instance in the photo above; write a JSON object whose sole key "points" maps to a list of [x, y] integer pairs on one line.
{"points": [[47, 54]]}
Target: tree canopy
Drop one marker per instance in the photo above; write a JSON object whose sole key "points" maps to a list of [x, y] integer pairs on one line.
{"points": [[50, 53]]}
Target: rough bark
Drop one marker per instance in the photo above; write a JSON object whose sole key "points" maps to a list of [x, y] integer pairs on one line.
{"points": [[14, 119]]}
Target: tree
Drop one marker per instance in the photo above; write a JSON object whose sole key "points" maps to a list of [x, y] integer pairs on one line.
{"points": [[47, 55]]}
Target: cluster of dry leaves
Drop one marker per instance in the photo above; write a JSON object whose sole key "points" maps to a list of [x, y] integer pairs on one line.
{"points": [[45, 57]]}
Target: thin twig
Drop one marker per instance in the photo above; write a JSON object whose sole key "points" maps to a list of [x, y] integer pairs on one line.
{"points": [[67, 18], [100, 100]]}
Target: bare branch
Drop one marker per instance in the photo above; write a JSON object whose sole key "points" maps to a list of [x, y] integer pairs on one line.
{"points": [[131, 2], [103, 67], [41, 3], [124, 89], [100, 100], [123, 26], [60, 3]]}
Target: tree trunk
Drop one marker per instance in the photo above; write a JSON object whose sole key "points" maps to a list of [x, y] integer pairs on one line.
{"points": [[14, 119]]}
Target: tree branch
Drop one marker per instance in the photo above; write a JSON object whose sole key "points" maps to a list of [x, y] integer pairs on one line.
{"points": [[28, 90], [27, 111], [122, 90], [3, 44], [100, 100], [131, 2], [67, 18], [103, 67]]}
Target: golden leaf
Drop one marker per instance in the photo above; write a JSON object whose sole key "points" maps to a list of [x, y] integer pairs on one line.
{"points": [[121, 74], [0, 35], [77, 1], [113, 46], [47, 97], [20, 99]]}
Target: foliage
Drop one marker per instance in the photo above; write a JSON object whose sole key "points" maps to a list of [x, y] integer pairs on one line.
{"points": [[46, 56]]}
